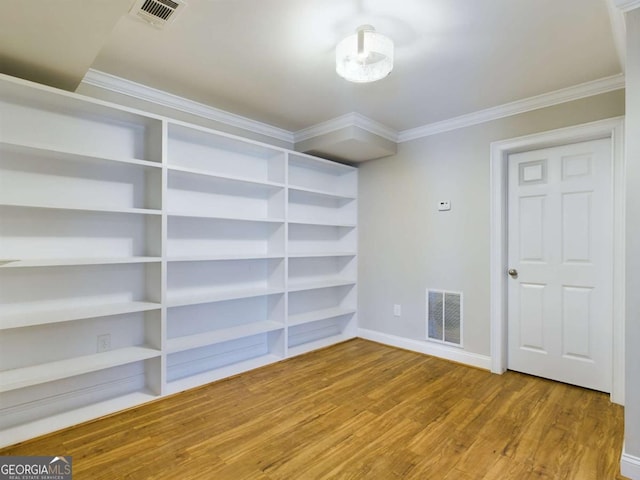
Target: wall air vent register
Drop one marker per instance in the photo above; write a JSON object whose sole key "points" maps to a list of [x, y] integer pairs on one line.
{"points": [[444, 317]]}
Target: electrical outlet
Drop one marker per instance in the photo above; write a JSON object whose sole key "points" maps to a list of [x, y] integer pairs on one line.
{"points": [[397, 310], [104, 342]]}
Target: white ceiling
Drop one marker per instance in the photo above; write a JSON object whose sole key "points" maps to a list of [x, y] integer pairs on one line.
{"points": [[55, 41], [273, 60]]}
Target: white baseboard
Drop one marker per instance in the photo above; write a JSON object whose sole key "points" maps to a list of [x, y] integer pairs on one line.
{"points": [[428, 348], [630, 466]]}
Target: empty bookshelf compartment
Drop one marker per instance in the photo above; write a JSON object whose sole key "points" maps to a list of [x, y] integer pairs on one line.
{"points": [[123, 337], [210, 281], [203, 237], [198, 366], [320, 175], [67, 401], [28, 235], [321, 333], [309, 272], [40, 178], [38, 118], [319, 304], [199, 325], [214, 154], [198, 195], [307, 239], [315, 208], [35, 295]]}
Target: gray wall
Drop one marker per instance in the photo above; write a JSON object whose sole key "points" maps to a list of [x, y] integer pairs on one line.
{"points": [[632, 409], [406, 245]]}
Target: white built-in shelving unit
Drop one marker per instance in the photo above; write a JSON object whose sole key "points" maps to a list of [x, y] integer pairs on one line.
{"points": [[322, 253], [141, 256]]}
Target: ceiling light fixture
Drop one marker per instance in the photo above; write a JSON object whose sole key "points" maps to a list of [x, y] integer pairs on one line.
{"points": [[365, 56]]}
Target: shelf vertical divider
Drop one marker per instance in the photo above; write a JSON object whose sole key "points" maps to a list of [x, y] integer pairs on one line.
{"points": [[286, 256], [164, 153]]}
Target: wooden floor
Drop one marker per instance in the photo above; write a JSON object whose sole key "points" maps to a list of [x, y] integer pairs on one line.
{"points": [[355, 410]]}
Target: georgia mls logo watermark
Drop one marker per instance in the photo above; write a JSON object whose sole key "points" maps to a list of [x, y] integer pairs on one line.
{"points": [[35, 468]]}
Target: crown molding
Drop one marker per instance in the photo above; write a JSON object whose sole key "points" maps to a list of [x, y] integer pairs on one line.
{"points": [[123, 86], [627, 5], [595, 87], [347, 120], [126, 87], [619, 31]]}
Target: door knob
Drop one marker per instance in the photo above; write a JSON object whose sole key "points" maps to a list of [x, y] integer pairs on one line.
{"points": [[513, 273]]}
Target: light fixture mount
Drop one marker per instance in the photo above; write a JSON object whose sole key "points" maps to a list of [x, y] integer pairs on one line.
{"points": [[365, 56]]}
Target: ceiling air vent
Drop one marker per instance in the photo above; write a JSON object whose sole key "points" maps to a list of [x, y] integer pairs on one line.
{"points": [[158, 13]]}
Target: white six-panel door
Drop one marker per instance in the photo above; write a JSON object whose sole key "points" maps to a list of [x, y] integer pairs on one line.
{"points": [[560, 261]]}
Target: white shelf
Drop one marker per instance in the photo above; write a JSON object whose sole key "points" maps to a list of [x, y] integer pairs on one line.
{"points": [[56, 154], [305, 206], [322, 193], [205, 150], [221, 372], [321, 176], [306, 161], [223, 217], [38, 374], [75, 416], [140, 211], [322, 224], [179, 300], [213, 258], [228, 178], [316, 315], [322, 254], [317, 284], [317, 344], [71, 313], [59, 262], [187, 342], [55, 119]]}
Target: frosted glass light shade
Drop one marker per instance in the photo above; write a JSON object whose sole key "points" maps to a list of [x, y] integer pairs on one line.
{"points": [[365, 56]]}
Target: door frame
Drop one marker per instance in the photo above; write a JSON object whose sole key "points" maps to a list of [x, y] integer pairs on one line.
{"points": [[612, 128]]}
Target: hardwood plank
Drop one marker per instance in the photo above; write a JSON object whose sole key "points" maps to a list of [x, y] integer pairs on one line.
{"points": [[358, 410]]}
